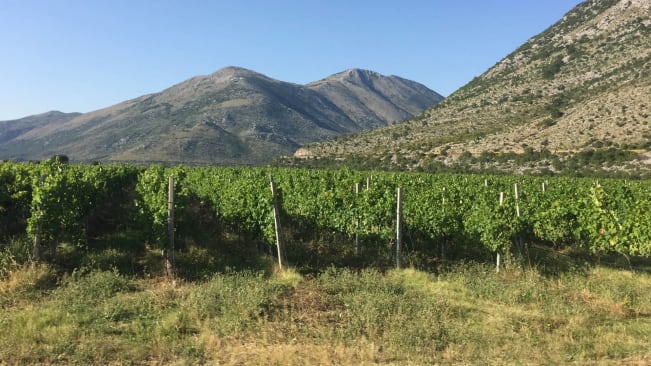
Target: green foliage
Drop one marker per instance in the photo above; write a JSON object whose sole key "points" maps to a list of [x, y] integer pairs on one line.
{"points": [[236, 301], [494, 223], [550, 70], [152, 187], [555, 220], [54, 200], [63, 196], [616, 221], [600, 157], [241, 198], [322, 216], [15, 195], [14, 253], [389, 311], [88, 288], [556, 106], [466, 313]]}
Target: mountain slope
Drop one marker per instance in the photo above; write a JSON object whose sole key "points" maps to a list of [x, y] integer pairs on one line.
{"points": [[582, 83], [12, 129], [366, 94], [234, 116]]}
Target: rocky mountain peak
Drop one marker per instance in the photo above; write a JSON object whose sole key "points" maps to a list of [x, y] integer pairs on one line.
{"points": [[231, 73], [354, 76]]}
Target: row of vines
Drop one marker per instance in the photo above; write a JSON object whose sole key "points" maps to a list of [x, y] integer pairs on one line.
{"points": [[52, 202]]}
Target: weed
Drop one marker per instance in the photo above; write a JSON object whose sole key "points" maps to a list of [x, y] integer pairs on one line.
{"points": [[466, 314]]}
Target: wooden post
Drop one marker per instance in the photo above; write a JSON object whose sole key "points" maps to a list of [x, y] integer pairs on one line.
{"points": [[399, 230], [279, 242], [36, 249], [169, 254], [544, 188], [497, 260], [357, 246], [517, 196], [519, 242], [368, 183], [443, 208]]}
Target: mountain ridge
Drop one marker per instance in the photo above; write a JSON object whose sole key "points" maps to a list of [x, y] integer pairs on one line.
{"points": [[232, 116], [581, 84]]}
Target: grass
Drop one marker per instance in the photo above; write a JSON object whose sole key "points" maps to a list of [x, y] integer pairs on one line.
{"points": [[465, 314]]}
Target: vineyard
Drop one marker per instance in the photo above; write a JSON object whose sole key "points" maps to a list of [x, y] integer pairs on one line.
{"points": [[105, 264], [339, 217]]}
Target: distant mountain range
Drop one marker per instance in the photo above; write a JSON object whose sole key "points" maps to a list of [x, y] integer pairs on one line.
{"points": [[583, 84], [232, 117]]}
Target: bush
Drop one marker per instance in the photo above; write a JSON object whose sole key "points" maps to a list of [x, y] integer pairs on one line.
{"points": [[83, 289], [13, 254], [550, 70]]}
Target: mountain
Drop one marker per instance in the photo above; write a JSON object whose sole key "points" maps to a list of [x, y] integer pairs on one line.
{"points": [[373, 98], [580, 86], [11, 129], [234, 116]]}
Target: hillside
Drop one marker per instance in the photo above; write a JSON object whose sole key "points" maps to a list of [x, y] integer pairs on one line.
{"points": [[234, 116], [582, 84], [11, 129]]}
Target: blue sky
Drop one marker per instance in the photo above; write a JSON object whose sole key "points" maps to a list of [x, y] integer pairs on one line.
{"points": [[83, 55]]}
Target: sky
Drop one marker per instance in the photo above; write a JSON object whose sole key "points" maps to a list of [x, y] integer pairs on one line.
{"points": [[83, 55]]}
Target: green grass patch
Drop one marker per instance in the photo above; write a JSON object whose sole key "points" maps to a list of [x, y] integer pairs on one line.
{"points": [[466, 314]]}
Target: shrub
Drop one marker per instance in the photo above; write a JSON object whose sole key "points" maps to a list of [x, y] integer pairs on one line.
{"points": [[83, 289]]}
